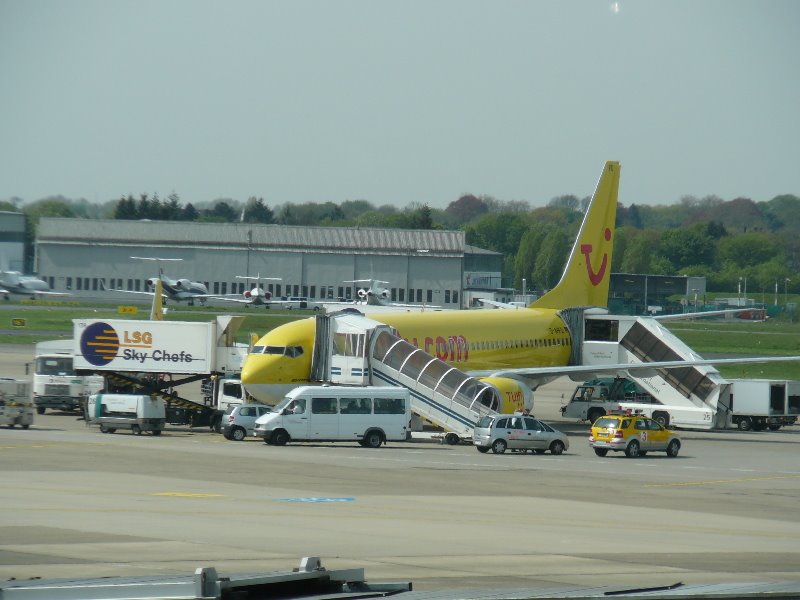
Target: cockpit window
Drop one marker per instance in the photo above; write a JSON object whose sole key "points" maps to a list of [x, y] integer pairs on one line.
{"points": [[294, 351], [274, 349]]}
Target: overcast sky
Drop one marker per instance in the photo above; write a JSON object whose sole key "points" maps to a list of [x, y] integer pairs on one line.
{"points": [[398, 102]]}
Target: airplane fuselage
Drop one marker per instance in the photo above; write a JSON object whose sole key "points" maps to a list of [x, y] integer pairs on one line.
{"points": [[475, 340]]}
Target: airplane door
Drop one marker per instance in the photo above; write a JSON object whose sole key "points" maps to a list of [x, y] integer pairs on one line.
{"points": [[323, 423]]}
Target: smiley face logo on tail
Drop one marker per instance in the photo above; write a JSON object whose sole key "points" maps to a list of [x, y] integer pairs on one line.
{"points": [[586, 250]]}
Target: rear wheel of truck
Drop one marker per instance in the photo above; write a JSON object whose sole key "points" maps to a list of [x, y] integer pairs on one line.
{"points": [[745, 424], [40, 410], [595, 414], [136, 430], [156, 432]]}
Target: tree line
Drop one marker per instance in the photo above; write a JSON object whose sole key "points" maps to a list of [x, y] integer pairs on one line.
{"points": [[720, 240]]}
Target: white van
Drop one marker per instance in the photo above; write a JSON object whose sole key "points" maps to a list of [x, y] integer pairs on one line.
{"points": [[369, 415], [126, 411]]}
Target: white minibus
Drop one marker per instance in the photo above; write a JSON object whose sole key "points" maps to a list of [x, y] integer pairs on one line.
{"points": [[369, 415]]}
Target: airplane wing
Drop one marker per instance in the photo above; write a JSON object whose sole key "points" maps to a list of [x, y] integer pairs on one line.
{"points": [[47, 293], [700, 315], [645, 369], [228, 299], [499, 304]]}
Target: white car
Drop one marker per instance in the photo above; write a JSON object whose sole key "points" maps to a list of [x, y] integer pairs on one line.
{"points": [[499, 433]]}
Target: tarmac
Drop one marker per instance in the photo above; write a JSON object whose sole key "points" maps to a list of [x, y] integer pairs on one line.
{"points": [[78, 503]]}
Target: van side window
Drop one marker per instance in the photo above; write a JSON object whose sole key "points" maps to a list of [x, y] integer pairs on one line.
{"points": [[390, 406], [323, 406], [355, 406]]}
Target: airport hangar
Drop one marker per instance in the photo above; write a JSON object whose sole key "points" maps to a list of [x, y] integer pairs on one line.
{"points": [[84, 256]]}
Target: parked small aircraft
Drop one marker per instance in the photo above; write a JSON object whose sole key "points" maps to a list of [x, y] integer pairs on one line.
{"points": [[177, 290], [14, 282], [256, 296], [372, 294]]}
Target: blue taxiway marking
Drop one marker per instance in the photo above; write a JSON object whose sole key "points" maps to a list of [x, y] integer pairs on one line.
{"points": [[316, 499]]}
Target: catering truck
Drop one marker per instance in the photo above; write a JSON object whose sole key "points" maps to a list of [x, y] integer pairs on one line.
{"points": [[156, 358], [16, 406], [56, 385]]}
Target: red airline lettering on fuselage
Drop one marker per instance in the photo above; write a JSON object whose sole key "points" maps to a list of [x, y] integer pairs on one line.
{"points": [[454, 348], [586, 250]]}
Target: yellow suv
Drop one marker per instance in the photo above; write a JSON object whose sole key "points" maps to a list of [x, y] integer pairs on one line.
{"points": [[636, 435]]}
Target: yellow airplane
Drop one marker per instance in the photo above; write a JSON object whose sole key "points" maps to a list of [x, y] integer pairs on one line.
{"points": [[489, 341]]}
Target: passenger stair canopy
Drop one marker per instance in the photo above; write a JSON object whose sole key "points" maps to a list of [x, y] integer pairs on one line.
{"points": [[366, 352]]}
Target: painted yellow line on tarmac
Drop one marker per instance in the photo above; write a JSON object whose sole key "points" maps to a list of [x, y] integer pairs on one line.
{"points": [[718, 481], [187, 495]]}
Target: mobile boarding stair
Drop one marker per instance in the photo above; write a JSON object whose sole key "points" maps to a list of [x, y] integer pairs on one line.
{"points": [[351, 349], [691, 397]]}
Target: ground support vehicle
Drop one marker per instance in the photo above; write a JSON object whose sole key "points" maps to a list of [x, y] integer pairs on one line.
{"points": [[518, 432], [56, 385], [136, 412], [635, 435], [763, 403], [239, 420], [370, 415], [222, 394], [596, 397], [16, 405], [157, 357]]}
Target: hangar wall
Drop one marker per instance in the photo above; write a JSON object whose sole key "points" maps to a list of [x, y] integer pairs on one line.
{"points": [[85, 257]]}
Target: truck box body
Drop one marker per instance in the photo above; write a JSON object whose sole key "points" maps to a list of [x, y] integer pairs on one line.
{"points": [[144, 346], [760, 403]]}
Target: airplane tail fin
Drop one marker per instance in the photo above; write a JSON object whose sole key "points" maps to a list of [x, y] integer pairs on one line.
{"points": [[588, 271], [156, 311]]}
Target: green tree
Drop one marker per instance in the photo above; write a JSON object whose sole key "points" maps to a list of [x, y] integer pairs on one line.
{"points": [[257, 212], [551, 259]]}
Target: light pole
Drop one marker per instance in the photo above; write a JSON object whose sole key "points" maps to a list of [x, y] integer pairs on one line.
{"points": [[785, 284], [739, 293], [695, 299], [776, 293]]}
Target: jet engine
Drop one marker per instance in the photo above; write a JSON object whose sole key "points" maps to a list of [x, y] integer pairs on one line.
{"points": [[363, 293], [515, 395], [151, 283], [183, 284]]}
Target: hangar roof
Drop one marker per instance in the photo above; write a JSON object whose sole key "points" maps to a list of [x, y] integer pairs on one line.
{"points": [[54, 230]]}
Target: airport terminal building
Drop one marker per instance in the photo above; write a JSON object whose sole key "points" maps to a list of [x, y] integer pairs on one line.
{"points": [[86, 256]]}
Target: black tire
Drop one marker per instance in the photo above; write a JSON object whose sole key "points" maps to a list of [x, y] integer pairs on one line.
{"points": [[373, 439], [452, 439], [104, 429], [601, 451], [136, 430], [774, 427], [557, 447], [238, 434], [662, 418], [633, 450], [156, 432], [280, 438], [26, 426], [594, 414], [540, 451], [482, 449], [745, 424], [40, 410], [499, 446], [111, 429], [673, 448]]}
